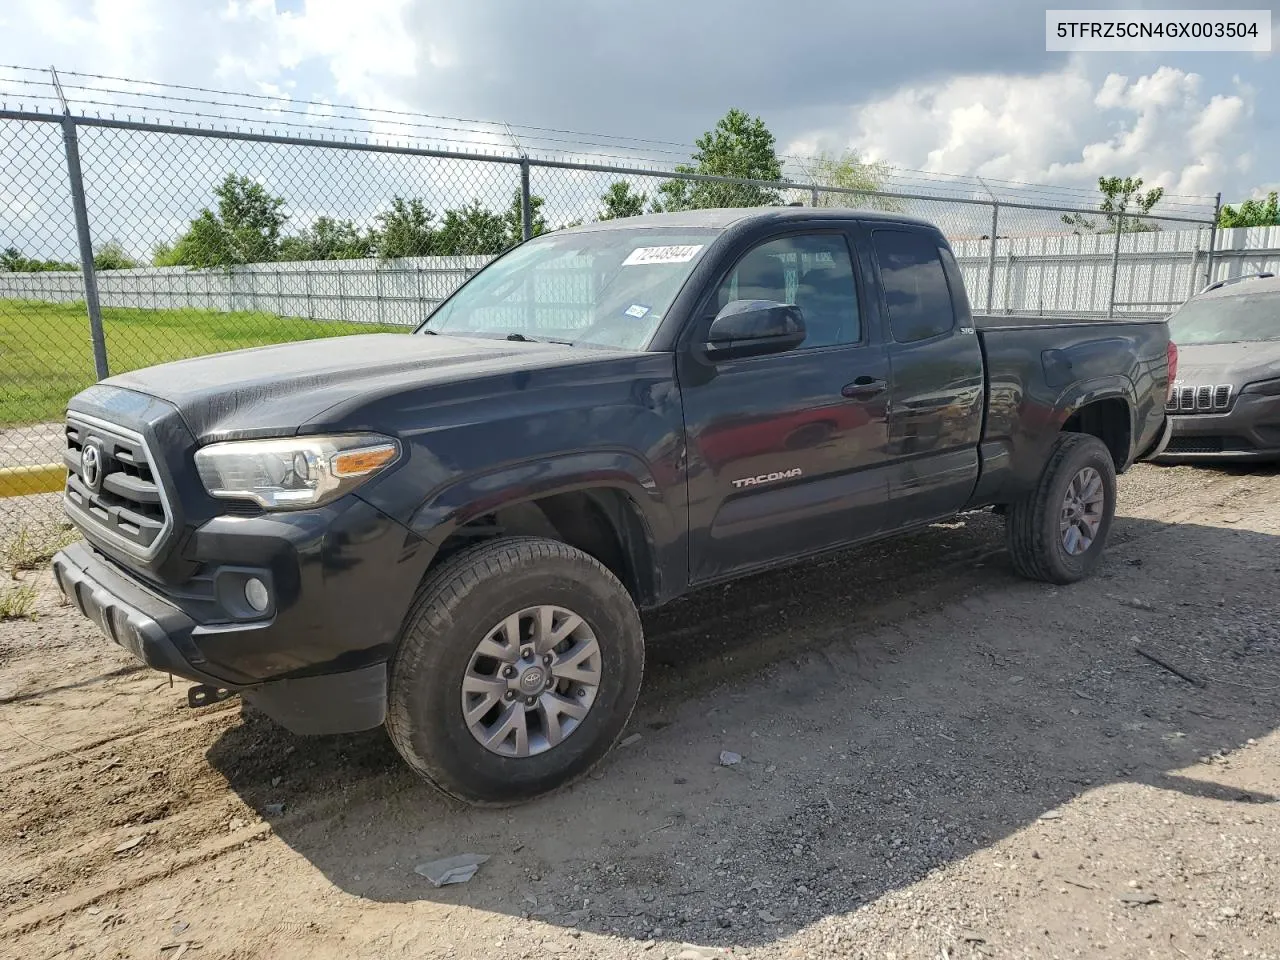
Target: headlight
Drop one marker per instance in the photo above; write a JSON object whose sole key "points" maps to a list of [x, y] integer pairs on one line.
{"points": [[293, 473], [1268, 388]]}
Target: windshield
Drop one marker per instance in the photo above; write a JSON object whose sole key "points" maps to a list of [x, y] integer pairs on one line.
{"points": [[607, 288], [1227, 319]]}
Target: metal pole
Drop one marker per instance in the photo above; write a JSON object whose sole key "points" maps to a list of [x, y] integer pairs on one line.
{"points": [[813, 195], [1213, 240], [526, 201], [377, 279], [72, 145], [991, 256], [1115, 266], [1008, 279]]}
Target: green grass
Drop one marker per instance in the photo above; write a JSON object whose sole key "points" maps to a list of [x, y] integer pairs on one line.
{"points": [[45, 352], [18, 602], [32, 547]]}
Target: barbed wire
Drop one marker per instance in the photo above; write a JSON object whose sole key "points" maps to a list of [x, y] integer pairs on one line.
{"points": [[237, 110]]}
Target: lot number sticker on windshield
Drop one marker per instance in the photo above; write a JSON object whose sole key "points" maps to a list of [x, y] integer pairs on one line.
{"points": [[646, 255]]}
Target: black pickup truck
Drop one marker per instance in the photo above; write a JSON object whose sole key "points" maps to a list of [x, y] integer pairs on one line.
{"points": [[451, 532]]}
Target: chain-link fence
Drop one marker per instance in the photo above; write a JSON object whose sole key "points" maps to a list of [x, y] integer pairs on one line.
{"points": [[125, 243]]}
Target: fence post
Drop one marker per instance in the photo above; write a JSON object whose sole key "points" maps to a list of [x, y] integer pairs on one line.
{"points": [[71, 143], [1115, 266], [813, 196], [1008, 279], [1213, 240], [526, 200], [991, 256]]}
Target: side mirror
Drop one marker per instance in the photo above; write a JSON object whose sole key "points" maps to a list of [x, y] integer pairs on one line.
{"points": [[754, 328]]}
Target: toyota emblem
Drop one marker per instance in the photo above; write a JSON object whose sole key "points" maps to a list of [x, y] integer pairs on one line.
{"points": [[91, 465]]}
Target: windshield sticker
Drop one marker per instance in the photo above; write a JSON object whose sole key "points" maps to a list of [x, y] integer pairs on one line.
{"points": [[641, 256], [637, 310]]}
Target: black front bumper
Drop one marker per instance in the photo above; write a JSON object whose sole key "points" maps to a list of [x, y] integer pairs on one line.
{"points": [[1250, 430], [161, 635]]}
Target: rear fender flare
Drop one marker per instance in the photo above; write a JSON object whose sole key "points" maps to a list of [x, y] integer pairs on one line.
{"points": [[1080, 395]]}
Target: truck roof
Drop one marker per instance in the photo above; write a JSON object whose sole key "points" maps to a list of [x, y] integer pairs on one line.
{"points": [[723, 218]]}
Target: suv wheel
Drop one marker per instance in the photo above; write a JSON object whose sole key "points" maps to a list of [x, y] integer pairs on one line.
{"points": [[518, 667]]}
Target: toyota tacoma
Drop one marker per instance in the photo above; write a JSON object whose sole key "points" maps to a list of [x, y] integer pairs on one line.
{"points": [[451, 532]]}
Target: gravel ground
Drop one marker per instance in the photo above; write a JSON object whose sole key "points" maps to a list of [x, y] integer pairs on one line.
{"points": [[937, 760], [31, 445]]}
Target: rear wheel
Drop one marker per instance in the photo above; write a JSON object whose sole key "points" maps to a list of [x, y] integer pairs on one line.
{"points": [[518, 668], [1057, 533]]}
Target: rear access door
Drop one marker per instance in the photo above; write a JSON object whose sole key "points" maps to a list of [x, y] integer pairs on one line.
{"points": [[936, 406]]}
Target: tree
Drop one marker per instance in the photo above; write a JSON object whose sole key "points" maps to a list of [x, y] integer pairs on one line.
{"points": [[514, 219], [1252, 213], [328, 239], [848, 171], [14, 260], [740, 146], [245, 228], [1118, 195], [473, 229], [406, 230], [111, 256], [620, 202]]}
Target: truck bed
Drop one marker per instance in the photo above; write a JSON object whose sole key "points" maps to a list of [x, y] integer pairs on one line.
{"points": [[1039, 370]]}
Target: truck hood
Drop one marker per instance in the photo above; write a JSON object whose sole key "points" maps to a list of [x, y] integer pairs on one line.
{"points": [[277, 390], [1228, 363]]}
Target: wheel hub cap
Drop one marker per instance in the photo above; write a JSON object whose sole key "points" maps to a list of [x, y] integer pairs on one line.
{"points": [[531, 681]]}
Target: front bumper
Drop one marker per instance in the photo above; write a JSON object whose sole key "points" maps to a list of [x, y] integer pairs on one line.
{"points": [[342, 578], [1250, 430], [153, 630], [162, 636]]}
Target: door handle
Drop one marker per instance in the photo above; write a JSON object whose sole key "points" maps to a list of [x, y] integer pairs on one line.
{"points": [[863, 388]]}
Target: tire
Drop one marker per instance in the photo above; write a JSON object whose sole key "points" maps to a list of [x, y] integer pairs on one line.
{"points": [[468, 600], [1033, 524]]}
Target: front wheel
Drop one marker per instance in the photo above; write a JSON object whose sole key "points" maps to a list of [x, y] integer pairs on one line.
{"points": [[1058, 531], [519, 665]]}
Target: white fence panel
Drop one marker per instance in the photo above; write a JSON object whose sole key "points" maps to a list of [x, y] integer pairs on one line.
{"points": [[1064, 274]]}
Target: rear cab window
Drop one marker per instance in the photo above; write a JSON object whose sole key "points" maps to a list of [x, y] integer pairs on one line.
{"points": [[914, 284]]}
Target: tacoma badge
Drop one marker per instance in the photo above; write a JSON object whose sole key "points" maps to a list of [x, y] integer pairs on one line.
{"points": [[767, 478]]}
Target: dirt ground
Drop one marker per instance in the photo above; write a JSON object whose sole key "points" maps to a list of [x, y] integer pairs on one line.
{"points": [[938, 761]]}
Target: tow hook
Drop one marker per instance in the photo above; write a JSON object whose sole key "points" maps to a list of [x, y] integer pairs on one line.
{"points": [[204, 695]]}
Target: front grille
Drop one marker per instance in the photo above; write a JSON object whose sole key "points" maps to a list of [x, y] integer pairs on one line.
{"points": [[112, 487], [1200, 398]]}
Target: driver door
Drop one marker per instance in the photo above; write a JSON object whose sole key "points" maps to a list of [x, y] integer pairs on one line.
{"points": [[787, 452]]}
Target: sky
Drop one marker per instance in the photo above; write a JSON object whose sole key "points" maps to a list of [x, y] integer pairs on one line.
{"points": [[927, 85]]}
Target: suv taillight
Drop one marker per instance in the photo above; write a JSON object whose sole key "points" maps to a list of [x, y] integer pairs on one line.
{"points": [[1173, 367]]}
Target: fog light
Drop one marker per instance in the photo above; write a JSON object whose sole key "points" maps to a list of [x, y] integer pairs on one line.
{"points": [[255, 593]]}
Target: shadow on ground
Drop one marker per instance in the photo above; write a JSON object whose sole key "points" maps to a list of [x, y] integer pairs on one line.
{"points": [[897, 707]]}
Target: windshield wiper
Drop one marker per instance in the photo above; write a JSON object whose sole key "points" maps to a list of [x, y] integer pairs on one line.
{"points": [[522, 338]]}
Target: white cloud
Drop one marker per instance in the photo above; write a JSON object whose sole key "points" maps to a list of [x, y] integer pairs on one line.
{"points": [[236, 44], [1059, 127]]}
